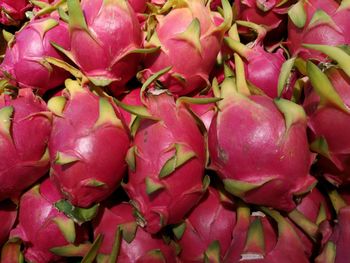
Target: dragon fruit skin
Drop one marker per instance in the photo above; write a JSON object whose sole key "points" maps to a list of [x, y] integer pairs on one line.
{"points": [[8, 215], [13, 11], [132, 98], [107, 53], [198, 35], [331, 124], [212, 220], [24, 155], [320, 29], [42, 227], [254, 149], [137, 245], [25, 57], [162, 157], [88, 145], [139, 6]]}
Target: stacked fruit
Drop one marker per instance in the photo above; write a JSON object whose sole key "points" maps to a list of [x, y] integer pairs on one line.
{"points": [[174, 131]]}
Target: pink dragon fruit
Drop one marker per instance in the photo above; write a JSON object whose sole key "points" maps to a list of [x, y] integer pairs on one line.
{"points": [[160, 160], [25, 62], [105, 54], [262, 67], [197, 35], [88, 145], [132, 98], [209, 226], [8, 215], [13, 11], [117, 224], [139, 6], [259, 147], [24, 132], [328, 108], [272, 14], [317, 22], [264, 237], [47, 234]]}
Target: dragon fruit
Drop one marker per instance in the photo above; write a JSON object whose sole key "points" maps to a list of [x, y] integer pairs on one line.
{"points": [[8, 215], [132, 98], [264, 237], [262, 67], [105, 54], [124, 241], [272, 14], [13, 11], [259, 147], [47, 234], [88, 145], [25, 62], [317, 22], [197, 35], [327, 105], [24, 132], [209, 226], [167, 148]]}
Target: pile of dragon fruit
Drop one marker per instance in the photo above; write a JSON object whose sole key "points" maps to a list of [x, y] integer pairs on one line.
{"points": [[176, 131]]}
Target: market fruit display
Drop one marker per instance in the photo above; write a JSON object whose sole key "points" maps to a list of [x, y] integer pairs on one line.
{"points": [[179, 131]]}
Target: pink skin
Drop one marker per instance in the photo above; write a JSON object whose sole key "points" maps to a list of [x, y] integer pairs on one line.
{"points": [[107, 57], [106, 224], [324, 34], [36, 227], [332, 124], [154, 141], [139, 6], [175, 52], [21, 156], [100, 151], [30, 47], [212, 219], [8, 215], [248, 141], [13, 11]]}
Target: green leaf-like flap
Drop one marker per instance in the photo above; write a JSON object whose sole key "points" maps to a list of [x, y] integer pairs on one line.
{"points": [[56, 105], [255, 242], [71, 250], [129, 231], [324, 88], [298, 14], [239, 188], [181, 156], [107, 114], [131, 158], [76, 15], [321, 17], [192, 35], [337, 54], [136, 110], [292, 112], [156, 255], [179, 230], [285, 73], [78, 214], [153, 78], [5, 120], [11, 251], [328, 253], [63, 158], [309, 227], [92, 253], [152, 185], [212, 254], [67, 228], [320, 146], [116, 245], [92, 182]]}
